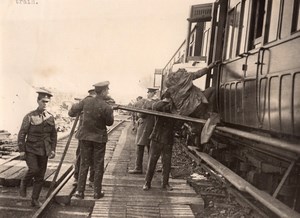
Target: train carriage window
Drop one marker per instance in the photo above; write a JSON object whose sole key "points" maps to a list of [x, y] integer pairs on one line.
{"points": [[287, 16], [244, 24], [236, 30], [205, 42], [233, 24], [257, 21], [296, 16], [272, 20], [229, 34]]}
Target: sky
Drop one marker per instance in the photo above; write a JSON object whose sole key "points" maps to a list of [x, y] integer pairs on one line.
{"points": [[70, 45]]}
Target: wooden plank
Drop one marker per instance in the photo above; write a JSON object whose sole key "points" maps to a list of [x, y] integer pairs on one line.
{"points": [[13, 162], [18, 170], [7, 158], [86, 202], [65, 169], [8, 174], [3, 168]]}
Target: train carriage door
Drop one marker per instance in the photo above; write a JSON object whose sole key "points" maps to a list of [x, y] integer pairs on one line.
{"points": [[267, 92], [256, 62]]}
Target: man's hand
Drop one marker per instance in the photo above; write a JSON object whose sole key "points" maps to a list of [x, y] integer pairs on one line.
{"points": [[115, 106], [213, 64], [52, 155], [22, 155]]}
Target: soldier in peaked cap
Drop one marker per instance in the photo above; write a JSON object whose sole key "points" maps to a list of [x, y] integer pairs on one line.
{"points": [[97, 114], [162, 138], [92, 94], [37, 142], [152, 90], [145, 125]]}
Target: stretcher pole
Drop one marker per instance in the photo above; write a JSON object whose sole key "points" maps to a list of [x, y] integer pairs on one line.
{"points": [[63, 156]]}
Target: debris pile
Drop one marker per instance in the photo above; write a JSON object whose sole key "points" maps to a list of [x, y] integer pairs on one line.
{"points": [[4, 137], [7, 143], [217, 201]]}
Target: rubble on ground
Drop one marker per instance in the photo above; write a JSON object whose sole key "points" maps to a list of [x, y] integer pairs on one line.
{"points": [[218, 202]]}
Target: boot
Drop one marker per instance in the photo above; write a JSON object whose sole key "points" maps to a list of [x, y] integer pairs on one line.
{"points": [[37, 188], [147, 186], [167, 187], [23, 189], [79, 195], [99, 195], [135, 171], [35, 203], [139, 161]]}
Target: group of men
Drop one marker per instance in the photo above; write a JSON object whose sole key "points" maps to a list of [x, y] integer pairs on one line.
{"points": [[37, 141], [37, 137]]}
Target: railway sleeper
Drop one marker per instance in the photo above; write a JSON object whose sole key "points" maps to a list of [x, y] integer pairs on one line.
{"points": [[263, 167]]}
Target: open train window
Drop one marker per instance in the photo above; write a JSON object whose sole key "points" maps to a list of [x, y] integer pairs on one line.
{"points": [[205, 41], [243, 27], [233, 26], [287, 15], [296, 16], [257, 22], [273, 11]]}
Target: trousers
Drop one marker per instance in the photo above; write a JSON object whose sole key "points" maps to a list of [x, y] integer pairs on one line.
{"points": [[157, 149], [140, 156], [91, 152], [77, 165], [37, 166]]}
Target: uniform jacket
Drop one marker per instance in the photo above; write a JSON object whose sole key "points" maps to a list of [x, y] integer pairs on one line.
{"points": [[163, 131], [38, 133], [97, 114], [138, 104], [145, 124], [81, 120]]}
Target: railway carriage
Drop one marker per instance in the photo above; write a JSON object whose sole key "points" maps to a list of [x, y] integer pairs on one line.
{"points": [[257, 87]]}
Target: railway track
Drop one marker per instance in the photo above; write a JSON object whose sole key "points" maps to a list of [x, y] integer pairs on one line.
{"points": [[228, 180], [10, 198]]}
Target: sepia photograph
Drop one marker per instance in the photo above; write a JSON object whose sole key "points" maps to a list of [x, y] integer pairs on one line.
{"points": [[139, 108]]}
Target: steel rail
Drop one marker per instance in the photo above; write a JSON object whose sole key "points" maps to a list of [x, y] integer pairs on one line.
{"points": [[233, 191], [264, 198], [41, 211]]}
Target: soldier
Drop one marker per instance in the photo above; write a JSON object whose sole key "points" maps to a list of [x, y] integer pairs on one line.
{"points": [[97, 114], [37, 140], [138, 104], [92, 94], [144, 129], [162, 138]]}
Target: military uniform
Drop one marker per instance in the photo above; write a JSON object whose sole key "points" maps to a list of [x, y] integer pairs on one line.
{"points": [[97, 114], [77, 163], [144, 129], [37, 138], [162, 139]]}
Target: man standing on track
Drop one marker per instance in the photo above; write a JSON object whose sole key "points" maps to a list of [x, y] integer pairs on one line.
{"points": [[97, 114], [145, 125], [92, 94], [37, 142], [162, 139]]}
